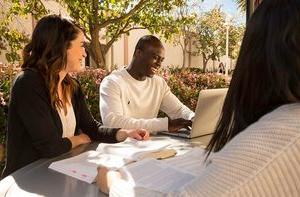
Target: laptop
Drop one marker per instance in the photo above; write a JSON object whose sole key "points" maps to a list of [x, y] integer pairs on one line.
{"points": [[208, 110]]}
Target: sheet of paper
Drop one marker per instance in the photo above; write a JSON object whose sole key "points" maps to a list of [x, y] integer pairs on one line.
{"points": [[193, 161], [84, 166], [156, 175]]}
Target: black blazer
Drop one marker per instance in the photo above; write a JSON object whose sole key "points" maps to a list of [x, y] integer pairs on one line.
{"points": [[34, 127]]}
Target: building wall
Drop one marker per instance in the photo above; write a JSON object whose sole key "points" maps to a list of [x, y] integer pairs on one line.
{"points": [[23, 24], [122, 50], [173, 54]]}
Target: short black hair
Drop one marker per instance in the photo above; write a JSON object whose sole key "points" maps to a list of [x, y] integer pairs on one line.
{"points": [[148, 40]]}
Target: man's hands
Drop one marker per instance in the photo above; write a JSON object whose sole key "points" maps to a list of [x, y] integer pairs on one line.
{"points": [[176, 124], [138, 134]]}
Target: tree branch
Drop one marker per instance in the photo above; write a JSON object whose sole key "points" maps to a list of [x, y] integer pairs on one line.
{"points": [[119, 32], [136, 8], [76, 12], [128, 30], [85, 34], [95, 8], [82, 28]]}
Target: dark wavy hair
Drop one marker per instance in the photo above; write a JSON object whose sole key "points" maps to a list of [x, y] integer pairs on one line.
{"points": [[267, 73], [47, 53]]}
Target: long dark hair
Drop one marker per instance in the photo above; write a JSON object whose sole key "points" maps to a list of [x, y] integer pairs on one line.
{"points": [[267, 73], [47, 53]]}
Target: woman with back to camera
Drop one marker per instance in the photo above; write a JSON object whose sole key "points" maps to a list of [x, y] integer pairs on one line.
{"points": [[257, 140], [48, 114]]}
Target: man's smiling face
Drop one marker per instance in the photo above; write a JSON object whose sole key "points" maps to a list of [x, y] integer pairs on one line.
{"points": [[151, 58]]}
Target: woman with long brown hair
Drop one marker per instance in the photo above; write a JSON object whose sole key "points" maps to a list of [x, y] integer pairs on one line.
{"points": [[47, 114]]}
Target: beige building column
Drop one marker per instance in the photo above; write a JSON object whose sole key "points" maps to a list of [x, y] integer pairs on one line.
{"points": [[112, 55], [189, 53], [33, 22], [125, 49]]}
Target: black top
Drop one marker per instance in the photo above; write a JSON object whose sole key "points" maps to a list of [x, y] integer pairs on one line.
{"points": [[34, 127]]}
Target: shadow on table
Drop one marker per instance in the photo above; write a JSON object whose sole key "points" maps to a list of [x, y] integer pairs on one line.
{"points": [[37, 179]]}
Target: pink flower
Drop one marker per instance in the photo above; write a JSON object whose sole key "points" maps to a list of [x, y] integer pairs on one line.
{"points": [[165, 76], [98, 81]]}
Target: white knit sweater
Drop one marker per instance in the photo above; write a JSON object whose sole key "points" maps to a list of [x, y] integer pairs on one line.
{"points": [[263, 160], [128, 103]]}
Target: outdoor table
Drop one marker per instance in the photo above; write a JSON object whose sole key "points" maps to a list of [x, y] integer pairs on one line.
{"points": [[36, 179]]}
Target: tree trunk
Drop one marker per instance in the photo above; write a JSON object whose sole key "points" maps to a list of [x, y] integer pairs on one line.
{"points": [[205, 61], [182, 46], [190, 53], [96, 51], [183, 58]]}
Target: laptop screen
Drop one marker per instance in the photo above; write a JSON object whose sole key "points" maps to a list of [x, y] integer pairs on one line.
{"points": [[208, 110]]}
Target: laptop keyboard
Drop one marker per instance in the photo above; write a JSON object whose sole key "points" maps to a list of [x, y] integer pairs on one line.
{"points": [[184, 131]]}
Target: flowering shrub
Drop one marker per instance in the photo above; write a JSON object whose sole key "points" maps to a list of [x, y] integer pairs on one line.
{"points": [[90, 81], [7, 75], [186, 83]]}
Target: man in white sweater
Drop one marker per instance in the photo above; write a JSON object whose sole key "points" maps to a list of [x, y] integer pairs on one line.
{"points": [[132, 97]]}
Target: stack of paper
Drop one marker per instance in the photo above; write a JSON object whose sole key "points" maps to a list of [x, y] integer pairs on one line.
{"points": [[84, 166], [160, 176]]}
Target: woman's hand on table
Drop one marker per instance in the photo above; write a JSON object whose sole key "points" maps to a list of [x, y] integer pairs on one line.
{"points": [[79, 139]]}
